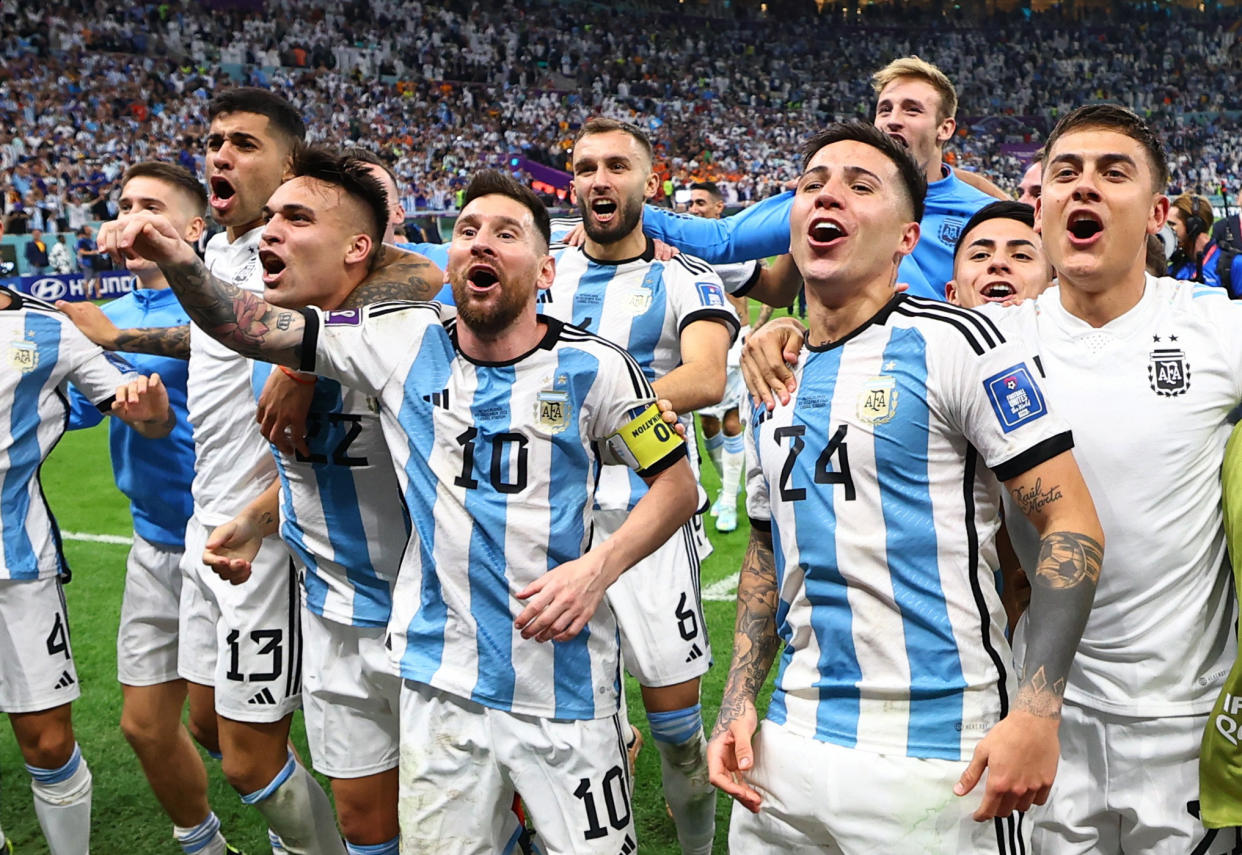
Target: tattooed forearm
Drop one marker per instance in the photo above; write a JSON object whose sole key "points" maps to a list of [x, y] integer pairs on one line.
{"points": [[1035, 498], [755, 642], [1062, 590], [239, 319], [410, 277], [157, 341]]}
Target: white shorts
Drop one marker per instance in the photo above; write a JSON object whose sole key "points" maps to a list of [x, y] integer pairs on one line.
{"points": [[461, 764], [658, 608], [819, 797], [146, 643], [36, 661], [735, 390], [351, 696], [1126, 785], [244, 640]]}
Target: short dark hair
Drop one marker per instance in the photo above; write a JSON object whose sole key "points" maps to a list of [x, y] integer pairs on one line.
{"points": [[604, 125], [352, 176], [708, 187], [364, 154], [493, 182], [912, 178], [1112, 117], [174, 175], [1005, 209], [282, 115]]}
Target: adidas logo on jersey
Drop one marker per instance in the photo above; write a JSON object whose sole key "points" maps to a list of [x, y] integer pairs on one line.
{"points": [[696, 652], [263, 698], [438, 399], [545, 296], [66, 680]]}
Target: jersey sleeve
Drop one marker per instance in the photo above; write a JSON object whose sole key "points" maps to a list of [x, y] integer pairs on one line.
{"points": [[627, 423], [95, 372], [758, 505], [739, 279], [362, 347], [759, 231], [697, 294], [995, 395]]}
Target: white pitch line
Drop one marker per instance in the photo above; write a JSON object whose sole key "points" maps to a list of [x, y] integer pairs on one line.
{"points": [[723, 590], [97, 538]]}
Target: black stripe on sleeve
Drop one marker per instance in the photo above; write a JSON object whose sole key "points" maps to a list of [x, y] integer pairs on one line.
{"points": [[1033, 456], [761, 525], [105, 406], [310, 340], [749, 283], [725, 317], [905, 308], [664, 462]]}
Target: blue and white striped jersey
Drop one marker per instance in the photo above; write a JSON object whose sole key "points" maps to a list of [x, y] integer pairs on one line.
{"points": [[43, 353], [642, 305], [883, 518], [498, 465], [340, 507]]}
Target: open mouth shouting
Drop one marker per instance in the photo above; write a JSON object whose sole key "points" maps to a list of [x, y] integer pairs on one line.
{"points": [[998, 292], [222, 193], [482, 279], [1084, 228], [825, 233], [604, 210], [273, 267]]}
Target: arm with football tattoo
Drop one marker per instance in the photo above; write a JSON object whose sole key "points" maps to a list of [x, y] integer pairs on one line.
{"points": [[1021, 751], [755, 645]]}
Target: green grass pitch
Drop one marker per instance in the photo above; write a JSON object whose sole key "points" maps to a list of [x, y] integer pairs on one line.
{"points": [[126, 818]]}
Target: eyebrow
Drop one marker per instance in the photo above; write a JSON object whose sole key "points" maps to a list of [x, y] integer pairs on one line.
{"points": [[142, 200], [849, 171], [1109, 159], [989, 242], [286, 210]]}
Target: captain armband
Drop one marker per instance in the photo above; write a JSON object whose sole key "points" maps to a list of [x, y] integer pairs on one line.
{"points": [[644, 442]]}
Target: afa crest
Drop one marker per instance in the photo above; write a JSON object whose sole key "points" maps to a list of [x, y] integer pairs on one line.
{"points": [[1168, 372], [877, 402], [24, 356], [950, 230], [552, 410], [638, 300]]}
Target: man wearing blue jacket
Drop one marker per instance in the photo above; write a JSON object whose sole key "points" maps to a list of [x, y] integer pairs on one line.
{"points": [[915, 105], [155, 475]]}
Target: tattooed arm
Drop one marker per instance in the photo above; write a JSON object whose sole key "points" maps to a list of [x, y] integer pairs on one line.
{"points": [[399, 275], [755, 644], [1021, 751], [98, 327]]}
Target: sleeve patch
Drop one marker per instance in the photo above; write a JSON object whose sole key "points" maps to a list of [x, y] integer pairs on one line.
{"points": [[343, 318], [1015, 397], [710, 294], [644, 441]]}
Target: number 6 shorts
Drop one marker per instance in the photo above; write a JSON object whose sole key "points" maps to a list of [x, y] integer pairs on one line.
{"points": [[658, 608], [245, 640], [36, 662]]}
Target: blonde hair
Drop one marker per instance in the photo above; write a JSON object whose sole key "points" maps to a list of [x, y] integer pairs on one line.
{"points": [[920, 69]]}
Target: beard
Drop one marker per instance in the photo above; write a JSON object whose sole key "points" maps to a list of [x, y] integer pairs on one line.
{"points": [[487, 317], [629, 215]]}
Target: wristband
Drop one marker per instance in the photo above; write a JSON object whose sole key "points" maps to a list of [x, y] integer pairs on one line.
{"points": [[296, 377]]}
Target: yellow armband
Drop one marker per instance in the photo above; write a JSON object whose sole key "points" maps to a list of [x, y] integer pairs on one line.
{"points": [[644, 441]]}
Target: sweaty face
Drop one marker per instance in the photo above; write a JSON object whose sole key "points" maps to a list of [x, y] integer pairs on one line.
{"points": [[146, 193], [908, 111], [704, 204], [495, 264], [1000, 259], [246, 161], [612, 178], [309, 243], [851, 221], [1097, 208], [1028, 189]]}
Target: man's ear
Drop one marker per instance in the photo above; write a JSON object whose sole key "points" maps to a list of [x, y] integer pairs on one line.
{"points": [[359, 248]]}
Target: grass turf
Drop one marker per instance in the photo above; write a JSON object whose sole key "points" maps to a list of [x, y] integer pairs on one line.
{"points": [[126, 817]]}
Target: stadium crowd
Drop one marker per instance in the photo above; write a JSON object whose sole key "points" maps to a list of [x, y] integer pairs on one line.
{"points": [[443, 90]]}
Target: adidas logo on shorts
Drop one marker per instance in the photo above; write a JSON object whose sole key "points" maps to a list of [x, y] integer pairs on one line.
{"points": [[696, 652], [66, 680], [628, 846], [263, 698]]}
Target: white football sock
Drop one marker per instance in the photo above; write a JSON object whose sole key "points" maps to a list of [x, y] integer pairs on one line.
{"points": [[62, 799], [298, 810]]}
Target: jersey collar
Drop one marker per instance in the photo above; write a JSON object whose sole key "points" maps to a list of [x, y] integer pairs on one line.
{"points": [[879, 318], [551, 333], [648, 254]]}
